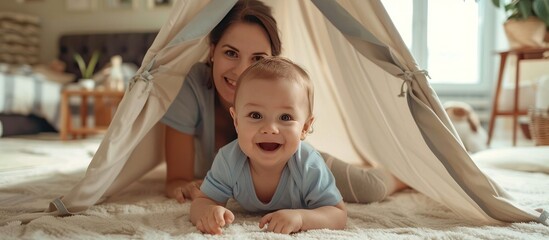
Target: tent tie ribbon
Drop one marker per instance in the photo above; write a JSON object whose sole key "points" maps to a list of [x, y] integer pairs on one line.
{"points": [[145, 76], [407, 77], [543, 216], [60, 207]]}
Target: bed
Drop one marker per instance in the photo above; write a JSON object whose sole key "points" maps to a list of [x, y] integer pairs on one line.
{"points": [[24, 113], [19, 49], [36, 169]]}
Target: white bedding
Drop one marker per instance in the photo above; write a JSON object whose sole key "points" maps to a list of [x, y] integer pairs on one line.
{"points": [[33, 172], [528, 159], [30, 94]]}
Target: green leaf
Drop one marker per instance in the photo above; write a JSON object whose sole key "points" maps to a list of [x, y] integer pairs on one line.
{"points": [[541, 8], [525, 8], [87, 69], [91, 64], [81, 64]]}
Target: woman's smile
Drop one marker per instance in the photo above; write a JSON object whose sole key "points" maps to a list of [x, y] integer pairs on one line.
{"points": [[231, 83]]}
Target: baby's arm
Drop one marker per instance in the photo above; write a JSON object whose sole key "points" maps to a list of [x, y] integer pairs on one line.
{"points": [[294, 220], [209, 216]]}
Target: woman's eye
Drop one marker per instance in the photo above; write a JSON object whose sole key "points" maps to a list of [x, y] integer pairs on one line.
{"points": [[231, 54], [255, 115], [257, 58], [286, 117]]}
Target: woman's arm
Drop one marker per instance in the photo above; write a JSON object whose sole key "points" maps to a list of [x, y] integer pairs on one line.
{"points": [[295, 220], [331, 217], [180, 165]]}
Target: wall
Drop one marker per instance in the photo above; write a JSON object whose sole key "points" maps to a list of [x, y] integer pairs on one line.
{"points": [[57, 20]]}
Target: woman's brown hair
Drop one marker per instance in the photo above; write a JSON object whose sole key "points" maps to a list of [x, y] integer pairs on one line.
{"points": [[250, 11]]}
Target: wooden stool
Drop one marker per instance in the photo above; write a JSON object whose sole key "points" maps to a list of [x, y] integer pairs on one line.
{"points": [[105, 104], [524, 53]]}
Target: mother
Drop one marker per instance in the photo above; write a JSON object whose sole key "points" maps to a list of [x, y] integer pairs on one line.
{"points": [[198, 121]]}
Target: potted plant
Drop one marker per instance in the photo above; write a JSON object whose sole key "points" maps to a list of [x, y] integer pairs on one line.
{"points": [[527, 22], [86, 70]]}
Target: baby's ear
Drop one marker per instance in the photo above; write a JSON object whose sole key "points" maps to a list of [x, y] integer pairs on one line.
{"points": [[307, 128]]}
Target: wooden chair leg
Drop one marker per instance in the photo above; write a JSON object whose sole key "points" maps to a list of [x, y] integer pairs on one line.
{"points": [[84, 114], [99, 111], [65, 116], [516, 100], [495, 103]]}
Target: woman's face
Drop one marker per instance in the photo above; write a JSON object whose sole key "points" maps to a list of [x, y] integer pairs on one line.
{"points": [[241, 45]]}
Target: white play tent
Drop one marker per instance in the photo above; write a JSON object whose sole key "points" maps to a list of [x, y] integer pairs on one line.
{"points": [[373, 104]]}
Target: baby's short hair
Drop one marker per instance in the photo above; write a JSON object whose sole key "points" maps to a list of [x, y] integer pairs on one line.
{"points": [[278, 68]]}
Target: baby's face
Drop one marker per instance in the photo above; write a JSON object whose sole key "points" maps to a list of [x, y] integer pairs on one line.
{"points": [[271, 117]]}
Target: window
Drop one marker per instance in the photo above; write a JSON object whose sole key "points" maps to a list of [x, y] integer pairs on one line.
{"points": [[452, 39]]}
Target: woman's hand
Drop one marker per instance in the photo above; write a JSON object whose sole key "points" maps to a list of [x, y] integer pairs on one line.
{"points": [[182, 190]]}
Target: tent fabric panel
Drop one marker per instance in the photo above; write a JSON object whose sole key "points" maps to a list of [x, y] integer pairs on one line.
{"points": [[388, 120], [493, 199], [201, 24], [135, 167], [142, 107], [186, 11], [299, 27], [111, 154], [430, 98]]}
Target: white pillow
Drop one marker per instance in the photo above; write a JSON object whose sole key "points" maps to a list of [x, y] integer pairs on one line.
{"points": [[54, 76], [529, 159]]}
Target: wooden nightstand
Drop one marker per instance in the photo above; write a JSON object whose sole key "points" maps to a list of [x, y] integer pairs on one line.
{"points": [[522, 54], [105, 104]]}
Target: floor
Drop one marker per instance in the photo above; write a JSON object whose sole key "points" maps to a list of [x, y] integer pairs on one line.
{"points": [[503, 135]]}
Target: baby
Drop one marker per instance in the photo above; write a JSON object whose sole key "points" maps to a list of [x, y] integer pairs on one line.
{"points": [[269, 168]]}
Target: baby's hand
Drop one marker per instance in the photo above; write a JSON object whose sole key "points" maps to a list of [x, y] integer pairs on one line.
{"points": [[215, 218], [282, 221]]}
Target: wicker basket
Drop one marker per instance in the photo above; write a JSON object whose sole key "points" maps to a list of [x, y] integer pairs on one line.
{"points": [[539, 126]]}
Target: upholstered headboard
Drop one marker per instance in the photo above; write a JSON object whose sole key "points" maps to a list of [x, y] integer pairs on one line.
{"points": [[131, 46]]}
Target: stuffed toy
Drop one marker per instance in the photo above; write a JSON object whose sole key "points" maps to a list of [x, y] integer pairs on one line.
{"points": [[467, 124]]}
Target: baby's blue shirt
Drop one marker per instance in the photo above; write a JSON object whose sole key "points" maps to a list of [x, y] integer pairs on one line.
{"points": [[306, 182]]}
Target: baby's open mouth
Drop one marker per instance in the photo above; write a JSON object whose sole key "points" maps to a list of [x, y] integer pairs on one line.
{"points": [[269, 146]]}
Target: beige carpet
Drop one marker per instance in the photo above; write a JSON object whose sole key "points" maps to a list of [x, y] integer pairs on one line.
{"points": [[33, 172]]}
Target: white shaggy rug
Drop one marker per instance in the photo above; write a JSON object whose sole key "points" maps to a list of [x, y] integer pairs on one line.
{"points": [[33, 172]]}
